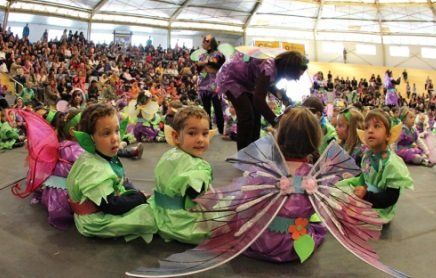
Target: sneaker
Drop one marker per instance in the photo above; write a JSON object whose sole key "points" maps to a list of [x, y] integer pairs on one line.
{"points": [[427, 163]]}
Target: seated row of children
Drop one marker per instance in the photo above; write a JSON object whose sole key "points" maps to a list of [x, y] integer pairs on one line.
{"points": [[105, 204]]}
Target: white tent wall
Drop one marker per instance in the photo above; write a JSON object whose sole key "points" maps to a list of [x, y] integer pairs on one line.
{"points": [[38, 24], [197, 37], [324, 53]]}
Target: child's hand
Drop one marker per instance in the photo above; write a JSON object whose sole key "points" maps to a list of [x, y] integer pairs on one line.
{"points": [[360, 191]]}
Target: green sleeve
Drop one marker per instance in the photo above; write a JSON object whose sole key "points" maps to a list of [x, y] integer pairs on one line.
{"points": [[354, 181], [91, 177], [396, 174], [177, 171]]}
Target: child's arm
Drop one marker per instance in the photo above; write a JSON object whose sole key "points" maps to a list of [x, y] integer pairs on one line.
{"points": [[383, 199], [121, 204]]}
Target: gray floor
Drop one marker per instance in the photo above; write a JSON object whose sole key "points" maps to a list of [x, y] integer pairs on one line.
{"points": [[32, 248]]}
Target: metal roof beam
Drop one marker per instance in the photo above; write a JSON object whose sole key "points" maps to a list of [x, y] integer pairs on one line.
{"points": [[98, 6], [432, 8], [252, 13], [218, 8], [56, 5], [179, 10]]}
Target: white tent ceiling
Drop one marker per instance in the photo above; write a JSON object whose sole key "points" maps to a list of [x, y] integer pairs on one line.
{"points": [[376, 17]]}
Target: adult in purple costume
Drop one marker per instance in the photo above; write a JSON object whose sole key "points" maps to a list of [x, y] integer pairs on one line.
{"points": [[208, 65], [391, 98], [246, 82]]}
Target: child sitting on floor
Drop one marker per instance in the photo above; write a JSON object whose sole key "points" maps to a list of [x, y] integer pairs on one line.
{"points": [[384, 174], [181, 175], [104, 203]]}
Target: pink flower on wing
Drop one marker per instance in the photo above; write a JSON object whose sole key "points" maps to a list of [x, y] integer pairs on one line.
{"points": [[285, 185], [310, 185]]}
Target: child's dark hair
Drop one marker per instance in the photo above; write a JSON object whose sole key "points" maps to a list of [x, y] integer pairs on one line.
{"points": [[92, 113], [299, 133], [381, 116], [314, 104], [187, 112], [291, 63], [63, 123]]}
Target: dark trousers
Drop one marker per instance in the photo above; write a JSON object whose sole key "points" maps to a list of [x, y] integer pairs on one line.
{"points": [[207, 98], [248, 119]]}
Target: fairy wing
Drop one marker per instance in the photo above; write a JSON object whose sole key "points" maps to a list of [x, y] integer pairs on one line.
{"points": [[351, 220], [195, 56], [262, 155], [260, 52], [227, 49], [43, 148], [240, 213]]}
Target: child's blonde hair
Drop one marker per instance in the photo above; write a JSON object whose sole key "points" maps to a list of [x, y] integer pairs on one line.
{"points": [[355, 121], [187, 112], [299, 133]]}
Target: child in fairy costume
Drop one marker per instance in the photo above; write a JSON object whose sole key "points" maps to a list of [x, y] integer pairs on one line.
{"points": [[182, 175], [265, 212], [54, 195], [384, 174], [104, 203], [9, 136], [230, 124], [409, 146], [298, 137], [348, 121], [149, 126], [316, 106]]}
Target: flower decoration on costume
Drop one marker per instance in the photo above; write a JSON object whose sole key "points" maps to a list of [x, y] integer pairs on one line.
{"points": [[299, 228], [309, 185], [285, 185]]}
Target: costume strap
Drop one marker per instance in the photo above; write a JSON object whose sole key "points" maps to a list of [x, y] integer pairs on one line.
{"points": [[87, 207], [167, 202]]}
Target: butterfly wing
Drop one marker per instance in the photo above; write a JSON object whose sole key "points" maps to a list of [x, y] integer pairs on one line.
{"points": [[43, 148]]}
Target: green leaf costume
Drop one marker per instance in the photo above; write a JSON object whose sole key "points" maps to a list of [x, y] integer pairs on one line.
{"points": [[92, 178], [175, 173], [329, 135], [380, 171], [8, 136]]}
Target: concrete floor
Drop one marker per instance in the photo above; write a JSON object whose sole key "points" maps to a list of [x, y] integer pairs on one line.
{"points": [[30, 247]]}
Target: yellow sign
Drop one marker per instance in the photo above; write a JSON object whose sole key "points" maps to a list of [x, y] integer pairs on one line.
{"points": [[293, 47], [271, 44]]}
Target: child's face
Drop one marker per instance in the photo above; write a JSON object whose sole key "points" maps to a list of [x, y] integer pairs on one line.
{"points": [[342, 127], [194, 137], [409, 121], [107, 135], [78, 99], [397, 113], [20, 103], [376, 135]]}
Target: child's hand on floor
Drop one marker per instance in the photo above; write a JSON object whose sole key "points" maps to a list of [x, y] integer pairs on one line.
{"points": [[360, 191]]}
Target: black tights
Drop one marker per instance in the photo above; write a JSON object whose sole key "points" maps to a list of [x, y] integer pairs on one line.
{"points": [[248, 119], [210, 97]]}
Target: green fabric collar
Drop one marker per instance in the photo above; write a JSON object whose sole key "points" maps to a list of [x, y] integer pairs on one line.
{"points": [[115, 164]]}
